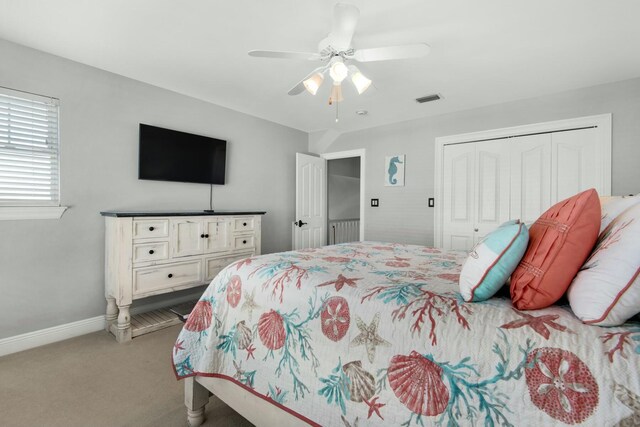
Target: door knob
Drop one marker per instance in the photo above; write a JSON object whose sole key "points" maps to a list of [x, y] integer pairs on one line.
{"points": [[299, 223]]}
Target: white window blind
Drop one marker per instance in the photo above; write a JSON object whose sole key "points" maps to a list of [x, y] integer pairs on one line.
{"points": [[29, 150]]}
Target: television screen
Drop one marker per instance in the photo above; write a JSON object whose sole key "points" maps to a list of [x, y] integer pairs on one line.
{"points": [[169, 155]]}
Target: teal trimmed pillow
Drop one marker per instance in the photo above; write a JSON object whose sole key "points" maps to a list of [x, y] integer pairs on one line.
{"points": [[492, 261]]}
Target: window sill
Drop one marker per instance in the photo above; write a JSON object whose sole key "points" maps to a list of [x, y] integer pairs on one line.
{"points": [[12, 213]]}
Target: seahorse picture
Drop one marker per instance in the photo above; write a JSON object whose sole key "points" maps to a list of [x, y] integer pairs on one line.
{"points": [[394, 170]]}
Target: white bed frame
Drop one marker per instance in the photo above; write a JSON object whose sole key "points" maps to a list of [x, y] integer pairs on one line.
{"points": [[259, 412]]}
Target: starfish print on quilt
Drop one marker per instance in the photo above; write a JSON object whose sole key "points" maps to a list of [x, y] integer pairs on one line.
{"points": [[249, 302], [537, 323], [340, 282], [374, 407], [369, 336], [631, 401]]}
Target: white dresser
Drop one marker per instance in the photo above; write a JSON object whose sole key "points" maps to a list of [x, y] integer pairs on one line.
{"points": [[151, 253]]}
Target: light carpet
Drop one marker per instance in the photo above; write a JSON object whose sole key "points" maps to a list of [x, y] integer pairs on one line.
{"points": [[94, 381]]}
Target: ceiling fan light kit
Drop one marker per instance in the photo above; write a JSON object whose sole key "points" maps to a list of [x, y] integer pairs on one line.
{"points": [[338, 71], [336, 94], [336, 49], [313, 83], [359, 80]]}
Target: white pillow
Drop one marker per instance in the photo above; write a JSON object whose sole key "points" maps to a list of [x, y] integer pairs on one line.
{"points": [[606, 291], [614, 206]]}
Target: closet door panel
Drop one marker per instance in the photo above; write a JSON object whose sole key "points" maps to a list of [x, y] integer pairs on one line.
{"points": [[458, 196], [530, 176], [575, 163], [492, 182]]}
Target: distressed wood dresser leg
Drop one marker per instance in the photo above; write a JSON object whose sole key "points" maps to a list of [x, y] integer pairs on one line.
{"points": [[112, 313], [123, 329], [195, 398]]}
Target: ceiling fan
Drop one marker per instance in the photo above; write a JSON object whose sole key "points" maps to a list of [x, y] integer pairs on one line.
{"points": [[336, 52]]}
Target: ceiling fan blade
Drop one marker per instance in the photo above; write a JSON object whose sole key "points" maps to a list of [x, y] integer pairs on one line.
{"points": [[285, 55], [299, 88], [391, 52], [345, 20]]}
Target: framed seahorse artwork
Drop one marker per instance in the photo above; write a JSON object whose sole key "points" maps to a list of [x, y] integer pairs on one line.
{"points": [[394, 170]]}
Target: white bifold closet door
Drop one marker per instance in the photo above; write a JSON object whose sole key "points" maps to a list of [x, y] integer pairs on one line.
{"points": [[530, 176], [575, 163], [476, 192], [486, 183]]}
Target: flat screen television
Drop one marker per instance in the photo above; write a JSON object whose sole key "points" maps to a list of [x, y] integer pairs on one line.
{"points": [[170, 155]]}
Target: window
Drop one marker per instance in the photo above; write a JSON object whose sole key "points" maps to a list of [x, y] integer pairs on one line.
{"points": [[29, 156]]}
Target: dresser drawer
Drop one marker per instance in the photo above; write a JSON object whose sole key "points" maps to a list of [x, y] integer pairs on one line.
{"points": [[244, 242], [151, 279], [154, 251], [243, 224], [213, 266], [149, 228]]}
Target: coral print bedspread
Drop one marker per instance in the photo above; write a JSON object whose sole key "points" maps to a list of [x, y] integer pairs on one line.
{"points": [[373, 334]]}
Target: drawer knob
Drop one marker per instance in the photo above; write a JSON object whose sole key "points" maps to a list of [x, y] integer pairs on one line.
{"points": [[170, 276], [151, 228], [151, 252], [206, 236], [202, 236], [244, 242], [244, 224]]}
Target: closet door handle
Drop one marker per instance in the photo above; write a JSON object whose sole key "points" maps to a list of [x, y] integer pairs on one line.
{"points": [[151, 228], [244, 242], [170, 276], [475, 229], [244, 224], [206, 236], [151, 252], [202, 236]]}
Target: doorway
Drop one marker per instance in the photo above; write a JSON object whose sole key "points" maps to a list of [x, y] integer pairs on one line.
{"points": [[345, 196]]}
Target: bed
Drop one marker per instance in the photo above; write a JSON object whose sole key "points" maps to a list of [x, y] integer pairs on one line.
{"points": [[373, 334]]}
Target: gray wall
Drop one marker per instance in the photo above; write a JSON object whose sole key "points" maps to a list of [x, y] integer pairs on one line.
{"points": [[343, 188], [403, 215], [51, 271]]}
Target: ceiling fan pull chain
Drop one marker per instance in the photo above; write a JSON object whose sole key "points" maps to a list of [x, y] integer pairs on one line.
{"points": [[337, 111]]}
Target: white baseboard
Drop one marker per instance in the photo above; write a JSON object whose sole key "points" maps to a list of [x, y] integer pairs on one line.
{"points": [[50, 335]]}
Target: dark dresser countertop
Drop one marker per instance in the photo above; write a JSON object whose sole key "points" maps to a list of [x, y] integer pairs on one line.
{"points": [[124, 214]]}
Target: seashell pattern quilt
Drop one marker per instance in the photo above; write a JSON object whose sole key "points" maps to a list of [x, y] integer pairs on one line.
{"points": [[377, 334]]}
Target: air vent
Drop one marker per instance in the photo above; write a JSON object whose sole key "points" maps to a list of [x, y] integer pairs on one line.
{"points": [[428, 98]]}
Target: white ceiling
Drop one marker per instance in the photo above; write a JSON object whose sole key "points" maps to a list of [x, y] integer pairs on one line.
{"points": [[483, 52]]}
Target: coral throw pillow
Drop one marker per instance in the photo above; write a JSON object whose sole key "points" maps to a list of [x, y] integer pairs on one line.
{"points": [[606, 291], [559, 243], [492, 261]]}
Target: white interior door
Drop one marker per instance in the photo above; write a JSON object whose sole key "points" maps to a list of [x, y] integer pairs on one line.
{"points": [[575, 161], [530, 177], [493, 187], [458, 196], [311, 202]]}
